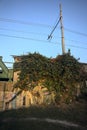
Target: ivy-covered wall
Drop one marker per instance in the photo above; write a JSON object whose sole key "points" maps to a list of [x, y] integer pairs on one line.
{"points": [[60, 75]]}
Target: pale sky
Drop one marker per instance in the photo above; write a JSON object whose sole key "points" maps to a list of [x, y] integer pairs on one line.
{"points": [[26, 24]]}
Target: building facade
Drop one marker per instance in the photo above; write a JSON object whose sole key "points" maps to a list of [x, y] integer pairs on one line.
{"points": [[13, 98]]}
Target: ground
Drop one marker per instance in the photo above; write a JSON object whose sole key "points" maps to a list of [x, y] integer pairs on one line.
{"points": [[60, 117]]}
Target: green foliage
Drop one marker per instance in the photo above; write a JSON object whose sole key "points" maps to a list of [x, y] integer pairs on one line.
{"points": [[33, 68], [59, 75]]}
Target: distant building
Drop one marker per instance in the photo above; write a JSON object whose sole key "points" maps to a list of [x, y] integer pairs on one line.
{"points": [[6, 84]]}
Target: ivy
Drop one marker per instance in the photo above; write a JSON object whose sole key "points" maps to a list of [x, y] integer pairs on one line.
{"points": [[59, 75]]}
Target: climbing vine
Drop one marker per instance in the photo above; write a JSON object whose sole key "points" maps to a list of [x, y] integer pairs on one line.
{"points": [[60, 74]]}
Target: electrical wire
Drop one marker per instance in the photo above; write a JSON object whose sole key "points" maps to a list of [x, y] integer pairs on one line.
{"points": [[22, 31], [29, 32], [76, 32], [8, 62], [27, 38], [79, 47], [39, 24], [23, 22], [71, 40]]}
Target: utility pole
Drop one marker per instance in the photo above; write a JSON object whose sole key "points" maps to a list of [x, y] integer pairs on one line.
{"points": [[62, 31]]}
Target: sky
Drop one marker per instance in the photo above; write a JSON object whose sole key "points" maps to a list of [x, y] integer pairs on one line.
{"points": [[26, 24]]}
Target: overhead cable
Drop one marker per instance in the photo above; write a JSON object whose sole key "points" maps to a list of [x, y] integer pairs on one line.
{"points": [[26, 38], [76, 32], [23, 22]]}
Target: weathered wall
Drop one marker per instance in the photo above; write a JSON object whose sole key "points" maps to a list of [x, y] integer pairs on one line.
{"points": [[5, 93]]}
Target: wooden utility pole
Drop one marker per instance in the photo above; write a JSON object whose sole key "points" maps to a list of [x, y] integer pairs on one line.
{"points": [[62, 31]]}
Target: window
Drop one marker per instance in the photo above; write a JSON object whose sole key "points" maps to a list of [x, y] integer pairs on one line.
{"points": [[24, 101]]}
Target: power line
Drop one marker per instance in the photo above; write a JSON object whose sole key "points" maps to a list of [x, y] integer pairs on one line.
{"points": [[71, 40], [39, 24], [22, 31], [26, 38], [14, 30], [76, 32], [8, 62], [76, 46], [23, 22]]}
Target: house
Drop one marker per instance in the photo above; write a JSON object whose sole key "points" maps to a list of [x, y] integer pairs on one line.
{"points": [[12, 98], [39, 95]]}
